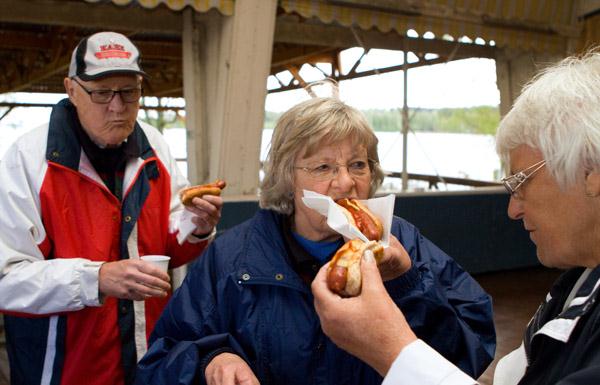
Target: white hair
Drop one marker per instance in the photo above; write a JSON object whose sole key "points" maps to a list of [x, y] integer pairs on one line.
{"points": [[558, 113]]}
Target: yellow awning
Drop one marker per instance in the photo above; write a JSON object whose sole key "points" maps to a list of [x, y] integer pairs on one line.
{"points": [[224, 6], [540, 25]]}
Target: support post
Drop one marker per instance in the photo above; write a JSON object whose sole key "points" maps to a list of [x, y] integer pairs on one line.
{"points": [[405, 121]]}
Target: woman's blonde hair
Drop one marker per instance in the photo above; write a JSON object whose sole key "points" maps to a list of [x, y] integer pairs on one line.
{"points": [[301, 130]]}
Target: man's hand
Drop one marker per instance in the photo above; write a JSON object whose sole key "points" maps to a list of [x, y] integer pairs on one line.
{"points": [[229, 369], [369, 326], [132, 279], [395, 261], [208, 213]]}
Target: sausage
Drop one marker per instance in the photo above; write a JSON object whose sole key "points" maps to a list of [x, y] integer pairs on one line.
{"points": [[188, 194], [344, 276], [361, 217]]}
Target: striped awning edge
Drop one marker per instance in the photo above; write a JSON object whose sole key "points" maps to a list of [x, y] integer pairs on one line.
{"points": [[224, 6], [364, 18]]}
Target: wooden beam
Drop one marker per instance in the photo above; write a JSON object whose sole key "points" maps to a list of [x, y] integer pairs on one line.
{"points": [[24, 40], [470, 15], [50, 105], [60, 51], [293, 55], [355, 75], [27, 40], [90, 15], [287, 31]]}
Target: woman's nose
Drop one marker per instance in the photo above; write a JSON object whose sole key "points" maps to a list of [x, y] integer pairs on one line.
{"points": [[515, 208], [343, 179]]}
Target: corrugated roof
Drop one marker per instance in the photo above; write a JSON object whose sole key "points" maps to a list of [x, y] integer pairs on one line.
{"points": [[540, 25]]}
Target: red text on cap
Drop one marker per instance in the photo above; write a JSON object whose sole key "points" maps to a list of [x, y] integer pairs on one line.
{"points": [[112, 51]]}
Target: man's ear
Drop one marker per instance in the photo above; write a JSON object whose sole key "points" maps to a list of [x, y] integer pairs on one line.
{"points": [[69, 85], [592, 184]]}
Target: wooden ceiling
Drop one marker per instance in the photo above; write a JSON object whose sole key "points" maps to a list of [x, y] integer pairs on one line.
{"points": [[37, 38]]}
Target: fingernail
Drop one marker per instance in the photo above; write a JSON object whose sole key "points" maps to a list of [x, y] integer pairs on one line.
{"points": [[368, 256]]}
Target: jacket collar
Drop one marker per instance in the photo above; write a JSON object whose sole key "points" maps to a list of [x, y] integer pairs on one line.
{"points": [[561, 326], [64, 146]]}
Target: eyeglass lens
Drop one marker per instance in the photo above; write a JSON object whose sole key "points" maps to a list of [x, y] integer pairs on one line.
{"points": [[128, 95], [330, 171]]}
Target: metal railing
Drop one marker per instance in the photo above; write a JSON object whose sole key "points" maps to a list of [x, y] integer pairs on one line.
{"points": [[433, 180]]}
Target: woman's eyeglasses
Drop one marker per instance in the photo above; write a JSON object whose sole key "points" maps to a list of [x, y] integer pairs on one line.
{"points": [[328, 171]]}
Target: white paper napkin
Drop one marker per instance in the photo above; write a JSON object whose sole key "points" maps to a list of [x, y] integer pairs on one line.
{"points": [[185, 226], [382, 207]]}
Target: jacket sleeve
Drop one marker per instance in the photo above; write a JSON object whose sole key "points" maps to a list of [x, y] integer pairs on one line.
{"points": [[418, 363], [29, 283], [443, 304], [190, 331], [182, 248]]}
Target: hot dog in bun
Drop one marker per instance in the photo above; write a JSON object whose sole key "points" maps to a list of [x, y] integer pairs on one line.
{"points": [[188, 194], [360, 216], [344, 277]]}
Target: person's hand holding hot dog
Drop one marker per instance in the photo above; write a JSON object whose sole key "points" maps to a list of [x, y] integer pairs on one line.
{"points": [[369, 326], [206, 203], [392, 261]]}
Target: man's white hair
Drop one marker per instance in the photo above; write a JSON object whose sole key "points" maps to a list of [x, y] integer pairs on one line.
{"points": [[558, 113]]}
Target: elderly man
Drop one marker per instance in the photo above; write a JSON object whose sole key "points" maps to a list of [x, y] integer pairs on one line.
{"points": [[82, 198]]}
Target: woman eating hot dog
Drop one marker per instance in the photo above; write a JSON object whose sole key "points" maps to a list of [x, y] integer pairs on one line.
{"points": [[245, 313]]}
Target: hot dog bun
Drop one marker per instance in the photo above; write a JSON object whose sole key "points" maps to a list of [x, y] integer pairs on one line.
{"points": [[344, 277], [188, 194], [361, 217]]}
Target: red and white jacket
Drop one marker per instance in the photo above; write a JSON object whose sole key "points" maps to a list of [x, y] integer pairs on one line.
{"points": [[58, 224]]}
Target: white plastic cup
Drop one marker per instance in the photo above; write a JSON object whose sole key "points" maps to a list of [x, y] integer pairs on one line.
{"points": [[161, 261]]}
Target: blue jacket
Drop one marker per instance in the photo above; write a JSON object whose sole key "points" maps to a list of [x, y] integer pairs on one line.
{"points": [[242, 296]]}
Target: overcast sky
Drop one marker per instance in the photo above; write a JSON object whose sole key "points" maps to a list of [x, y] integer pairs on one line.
{"points": [[461, 83]]}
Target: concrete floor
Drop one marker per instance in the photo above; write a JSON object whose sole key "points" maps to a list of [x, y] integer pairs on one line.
{"points": [[516, 296]]}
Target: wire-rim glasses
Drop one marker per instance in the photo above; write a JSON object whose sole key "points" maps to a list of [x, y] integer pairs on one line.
{"points": [[128, 95], [513, 183], [328, 171]]}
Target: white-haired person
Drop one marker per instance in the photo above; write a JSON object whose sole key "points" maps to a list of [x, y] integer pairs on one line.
{"points": [[245, 314], [551, 140], [81, 199]]}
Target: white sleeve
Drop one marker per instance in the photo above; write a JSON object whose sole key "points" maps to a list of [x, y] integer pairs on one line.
{"points": [[418, 363], [180, 220], [28, 282]]}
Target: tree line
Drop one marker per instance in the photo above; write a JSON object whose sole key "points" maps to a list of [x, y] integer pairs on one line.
{"points": [[472, 120]]}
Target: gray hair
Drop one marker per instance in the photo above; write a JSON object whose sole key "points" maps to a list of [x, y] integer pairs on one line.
{"points": [[558, 113], [302, 129]]}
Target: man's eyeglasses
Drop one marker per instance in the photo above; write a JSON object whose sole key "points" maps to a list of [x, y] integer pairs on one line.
{"points": [[128, 95], [513, 182], [328, 171]]}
